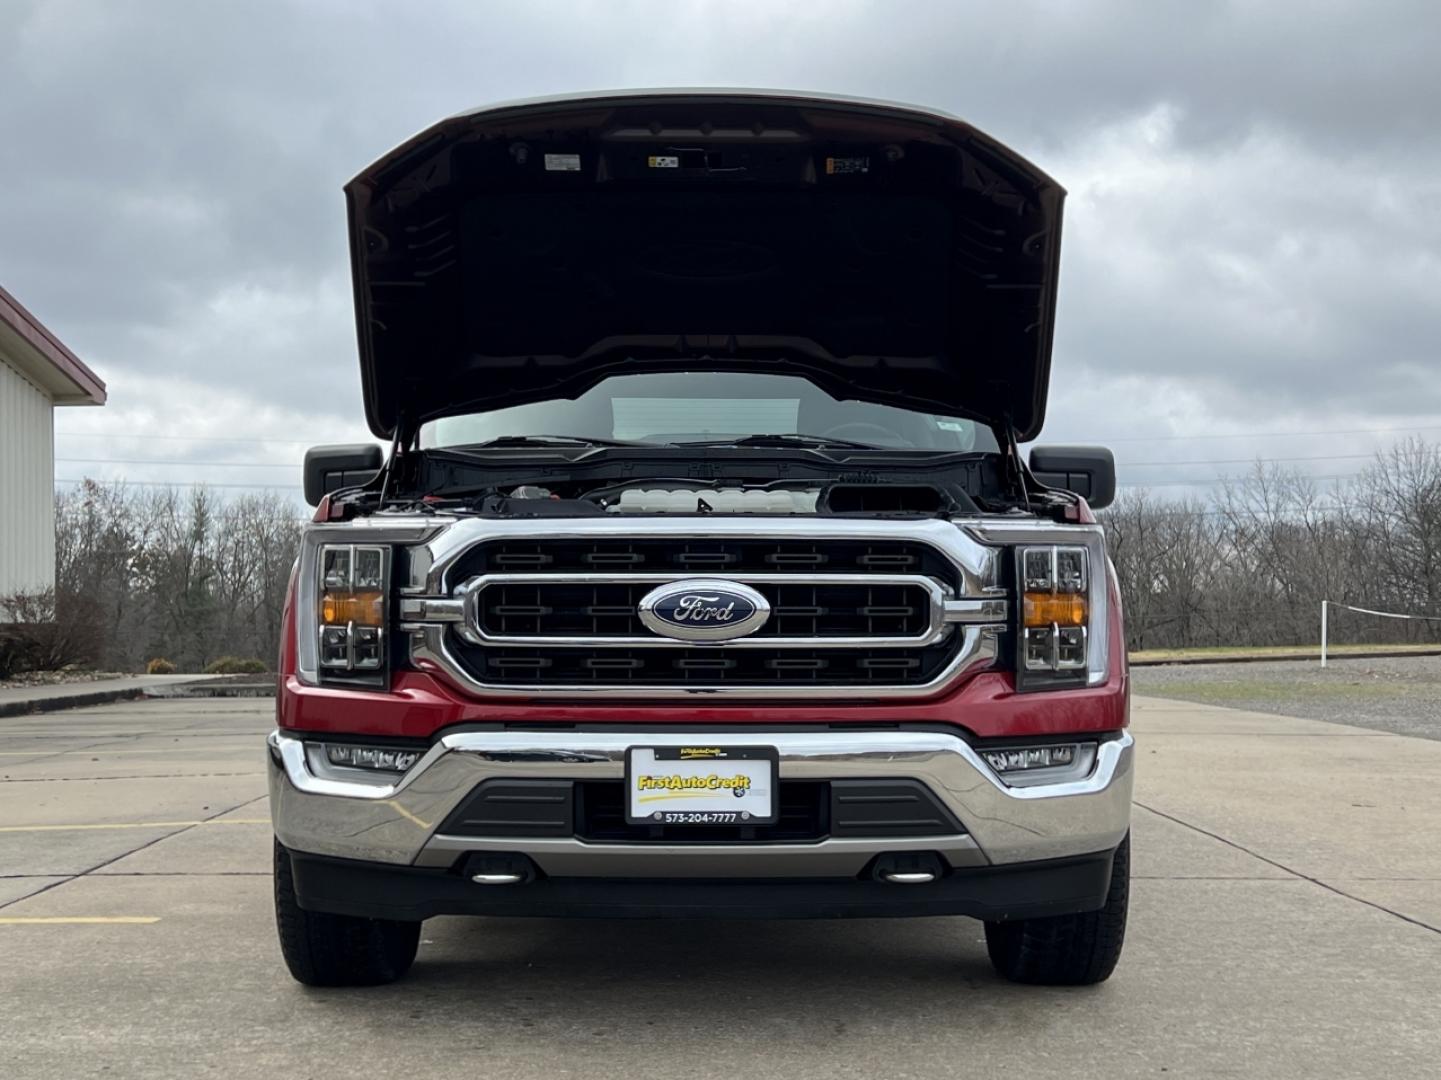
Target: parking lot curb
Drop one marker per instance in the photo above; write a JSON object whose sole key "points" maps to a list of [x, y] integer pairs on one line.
{"points": [[255, 688], [46, 699], [25, 706]]}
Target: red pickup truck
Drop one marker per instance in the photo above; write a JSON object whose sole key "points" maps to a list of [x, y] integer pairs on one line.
{"points": [[704, 575]]}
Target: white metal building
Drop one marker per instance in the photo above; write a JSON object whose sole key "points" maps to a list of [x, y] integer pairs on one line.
{"points": [[37, 373]]}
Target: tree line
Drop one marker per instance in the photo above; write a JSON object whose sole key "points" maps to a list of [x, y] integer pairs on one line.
{"points": [[1251, 564], [189, 577], [179, 575]]}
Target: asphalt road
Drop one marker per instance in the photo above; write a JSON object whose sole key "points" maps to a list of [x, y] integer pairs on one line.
{"points": [[1286, 922]]}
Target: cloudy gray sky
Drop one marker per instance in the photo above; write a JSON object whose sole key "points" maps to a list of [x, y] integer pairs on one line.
{"points": [[1252, 257]]}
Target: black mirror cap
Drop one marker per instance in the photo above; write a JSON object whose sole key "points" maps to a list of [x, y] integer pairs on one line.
{"points": [[1088, 471], [330, 468]]}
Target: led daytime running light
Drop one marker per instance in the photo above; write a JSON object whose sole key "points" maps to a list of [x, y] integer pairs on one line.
{"points": [[1021, 758], [380, 758]]}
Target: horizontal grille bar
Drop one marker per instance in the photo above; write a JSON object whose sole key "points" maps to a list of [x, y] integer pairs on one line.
{"points": [[699, 665], [586, 612], [727, 556], [602, 610]]}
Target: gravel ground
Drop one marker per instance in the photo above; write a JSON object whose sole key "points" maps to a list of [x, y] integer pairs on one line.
{"points": [[1397, 694]]}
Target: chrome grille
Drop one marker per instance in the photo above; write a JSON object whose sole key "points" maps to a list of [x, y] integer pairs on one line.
{"points": [[883, 608], [608, 609], [602, 610]]}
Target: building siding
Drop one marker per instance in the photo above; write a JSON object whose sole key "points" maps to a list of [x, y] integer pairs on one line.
{"points": [[27, 486]]}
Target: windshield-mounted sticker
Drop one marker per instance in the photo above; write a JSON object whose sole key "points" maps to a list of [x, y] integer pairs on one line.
{"points": [[842, 166], [663, 161], [562, 163]]}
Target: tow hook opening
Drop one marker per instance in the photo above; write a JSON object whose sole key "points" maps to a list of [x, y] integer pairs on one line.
{"points": [[500, 869], [907, 867]]}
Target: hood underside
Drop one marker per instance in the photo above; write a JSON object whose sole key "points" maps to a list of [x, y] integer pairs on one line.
{"points": [[527, 251]]}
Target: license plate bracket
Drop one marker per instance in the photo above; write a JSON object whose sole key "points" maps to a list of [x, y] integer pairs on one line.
{"points": [[701, 785]]}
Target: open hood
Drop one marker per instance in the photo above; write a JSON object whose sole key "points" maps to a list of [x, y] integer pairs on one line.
{"points": [[527, 251]]}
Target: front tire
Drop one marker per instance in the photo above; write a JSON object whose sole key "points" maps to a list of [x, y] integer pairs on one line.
{"points": [[1066, 950], [322, 949]]}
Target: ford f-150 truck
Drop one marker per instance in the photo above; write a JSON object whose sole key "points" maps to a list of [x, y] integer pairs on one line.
{"points": [[704, 575]]}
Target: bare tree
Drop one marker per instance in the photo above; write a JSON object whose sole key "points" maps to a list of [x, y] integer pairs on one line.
{"points": [[191, 577], [1253, 565], [167, 574]]}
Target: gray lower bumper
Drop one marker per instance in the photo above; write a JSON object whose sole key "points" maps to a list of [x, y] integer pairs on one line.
{"points": [[347, 814]]}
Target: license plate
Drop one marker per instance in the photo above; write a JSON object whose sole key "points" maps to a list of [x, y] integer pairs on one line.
{"points": [[701, 785]]}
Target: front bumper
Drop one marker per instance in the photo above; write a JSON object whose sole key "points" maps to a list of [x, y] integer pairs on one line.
{"points": [[346, 815], [1021, 891]]}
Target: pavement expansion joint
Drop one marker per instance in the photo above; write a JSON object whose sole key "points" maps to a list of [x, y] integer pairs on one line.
{"points": [[184, 873], [88, 748], [100, 748], [78, 920], [107, 825], [133, 776], [186, 827], [1215, 877], [148, 873], [1293, 872]]}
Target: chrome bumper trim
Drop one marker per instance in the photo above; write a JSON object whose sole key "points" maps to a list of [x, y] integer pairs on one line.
{"points": [[395, 821], [567, 857]]}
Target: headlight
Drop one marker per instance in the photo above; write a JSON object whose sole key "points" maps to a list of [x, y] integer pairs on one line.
{"points": [[1055, 587], [354, 586]]}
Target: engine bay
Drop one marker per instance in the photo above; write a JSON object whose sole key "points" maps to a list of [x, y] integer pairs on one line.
{"points": [[526, 481], [530, 500], [667, 497]]}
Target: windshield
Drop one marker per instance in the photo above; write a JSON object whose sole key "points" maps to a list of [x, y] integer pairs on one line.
{"points": [[713, 407]]}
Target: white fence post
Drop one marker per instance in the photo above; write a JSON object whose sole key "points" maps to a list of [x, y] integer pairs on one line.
{"points": [[1323, 633]]}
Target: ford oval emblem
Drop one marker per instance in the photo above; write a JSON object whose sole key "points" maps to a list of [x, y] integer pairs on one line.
{"points": [[701, 609]]}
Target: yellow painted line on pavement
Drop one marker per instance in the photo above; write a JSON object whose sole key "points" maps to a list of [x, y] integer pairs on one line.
{"points": [[135, 825], [80, 920]]}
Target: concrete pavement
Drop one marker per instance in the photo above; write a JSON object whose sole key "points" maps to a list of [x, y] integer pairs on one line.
{"points": [[1286, 922]]}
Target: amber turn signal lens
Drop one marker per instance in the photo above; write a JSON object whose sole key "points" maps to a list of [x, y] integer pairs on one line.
{"points": [[1059, 609], [361, 608]]}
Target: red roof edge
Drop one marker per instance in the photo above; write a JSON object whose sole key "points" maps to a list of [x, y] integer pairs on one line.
{"points": [[33, 331]]}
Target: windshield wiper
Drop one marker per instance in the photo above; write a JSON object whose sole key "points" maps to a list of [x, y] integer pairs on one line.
{"points": [[549, 440], [815, 442]]}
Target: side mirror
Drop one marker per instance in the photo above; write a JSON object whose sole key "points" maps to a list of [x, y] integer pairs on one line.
{"points": [[1089, 471], [330, 468]]}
